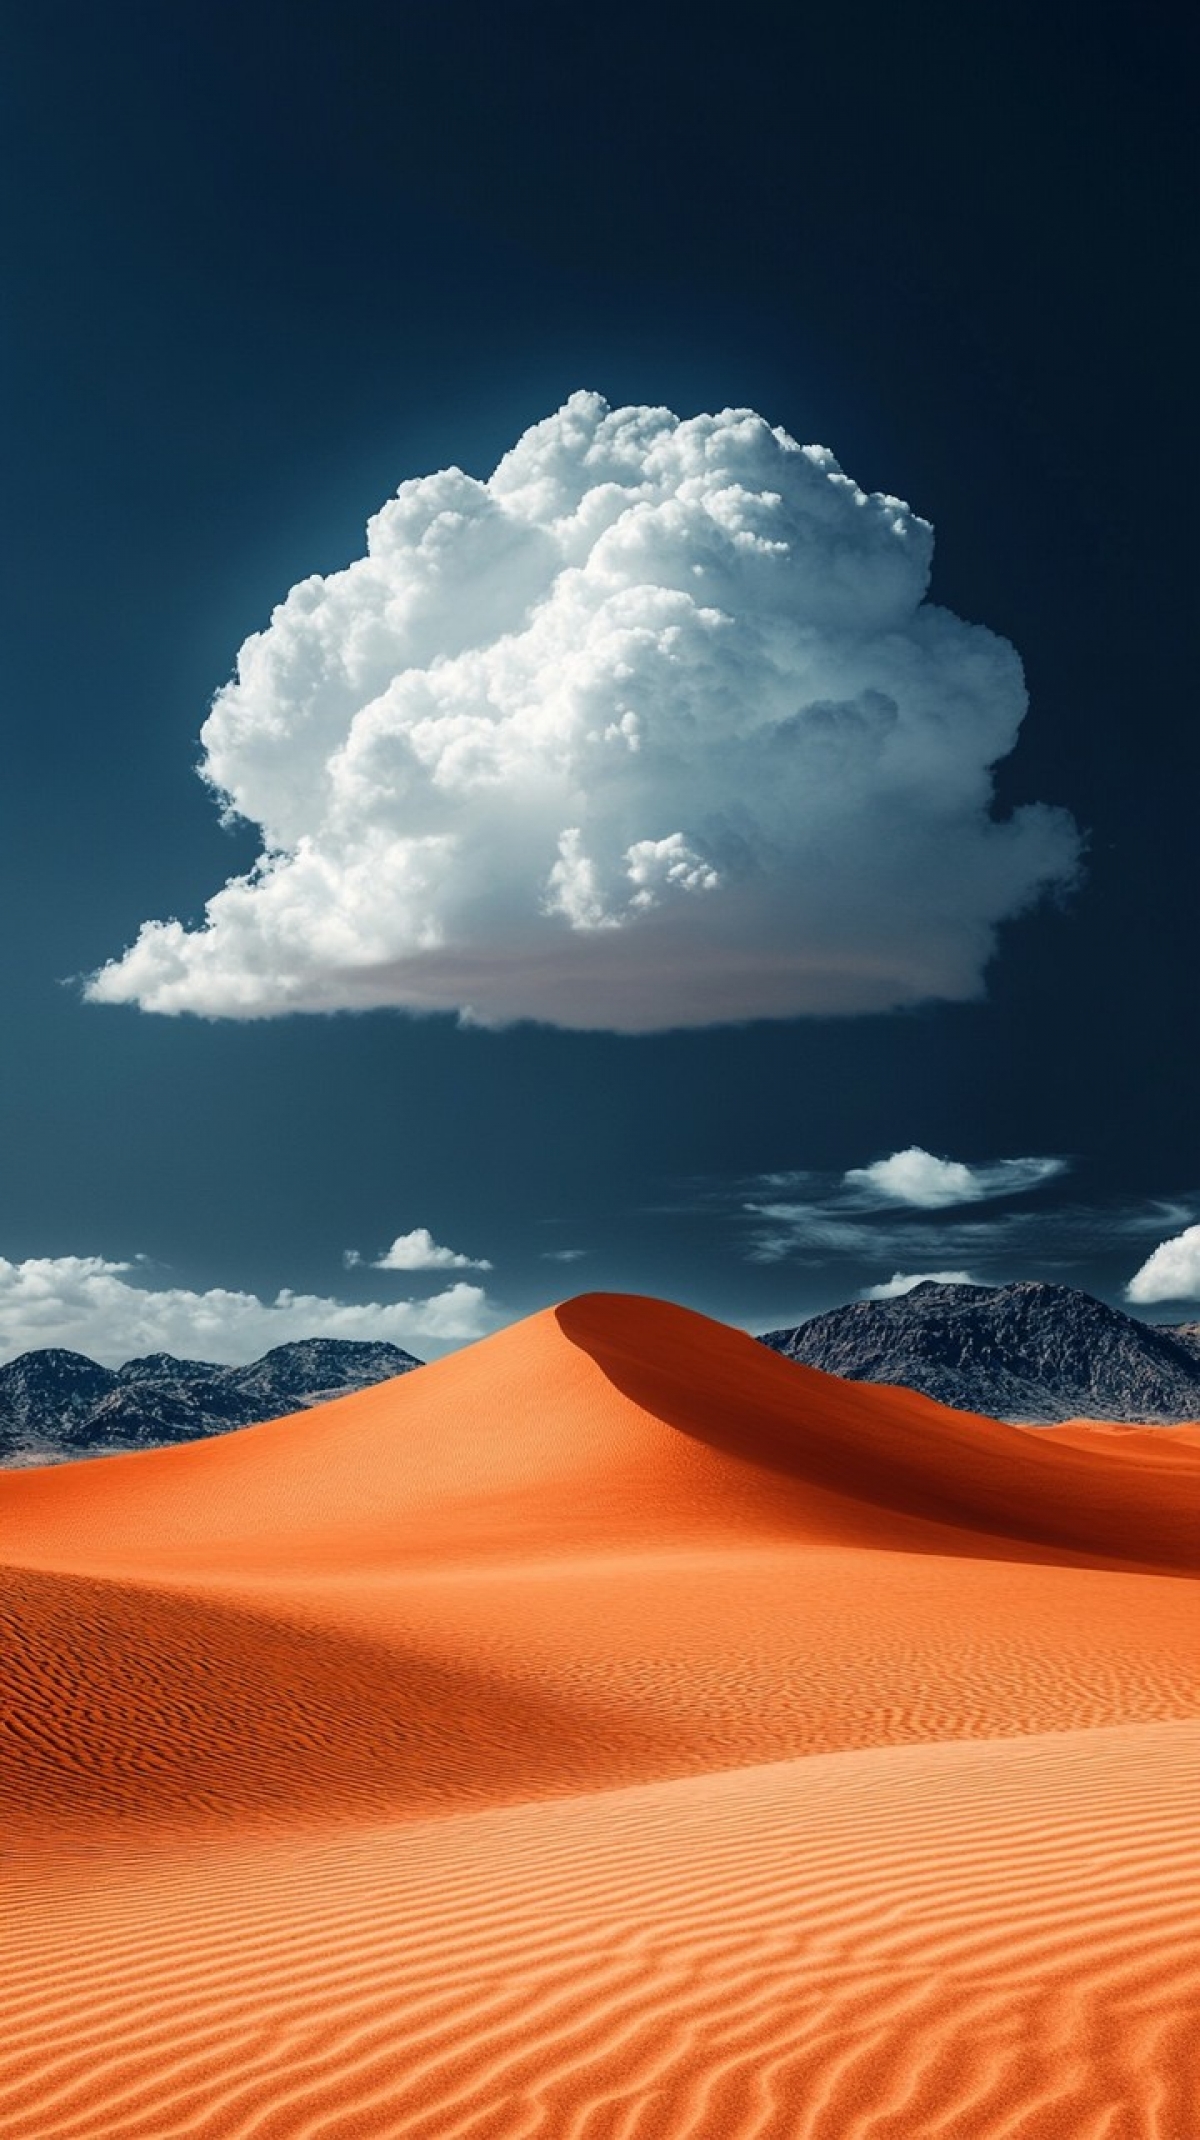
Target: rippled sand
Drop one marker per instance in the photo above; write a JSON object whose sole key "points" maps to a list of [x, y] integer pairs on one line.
{"points": [[613, 1731]]}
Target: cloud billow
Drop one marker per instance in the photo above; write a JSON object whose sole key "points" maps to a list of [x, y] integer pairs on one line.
{"points": [[1171, 1273], [654, 728], [418, 1251], [92, 1305]]}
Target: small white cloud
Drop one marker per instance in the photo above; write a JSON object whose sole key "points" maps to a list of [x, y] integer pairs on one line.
{"points": [[904, 1281], [563, 1255], [1171, 1273], [418, 1251], [918, 1178], [655, 727], [88, 1304]]}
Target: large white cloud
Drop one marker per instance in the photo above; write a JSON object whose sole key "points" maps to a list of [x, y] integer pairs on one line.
{"points": [[653, 728], [1171, 1273], [88, 1304], [920, 1179]]}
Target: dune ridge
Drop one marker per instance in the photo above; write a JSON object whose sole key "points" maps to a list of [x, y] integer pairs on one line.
{"points": [[614, 1731], [496, 1447]]}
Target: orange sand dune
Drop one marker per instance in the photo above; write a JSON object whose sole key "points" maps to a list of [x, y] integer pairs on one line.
{"points": [[613, 1730], [610, 1421], [1179, 1445]]}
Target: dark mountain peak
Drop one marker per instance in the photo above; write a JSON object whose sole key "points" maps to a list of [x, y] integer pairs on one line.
{"points": [[56, 1404], [309, 1369], [344, 1353], [51, 1360], [1030, 1351], [51, 1383], [933, 1289], [164, 1367], [1022, 1294]]}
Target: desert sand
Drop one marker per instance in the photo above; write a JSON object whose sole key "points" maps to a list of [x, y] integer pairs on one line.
{"points": [[612, 1732]]}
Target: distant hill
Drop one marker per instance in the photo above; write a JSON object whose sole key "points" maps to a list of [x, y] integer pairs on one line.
{"points": [[1027, 1352], [57, 1405]]}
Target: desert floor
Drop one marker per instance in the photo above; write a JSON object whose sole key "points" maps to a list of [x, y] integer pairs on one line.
{"points": [[613, 1732]]}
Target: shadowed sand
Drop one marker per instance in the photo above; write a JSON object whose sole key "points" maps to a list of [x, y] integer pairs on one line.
{"points": [[612, 1731]]}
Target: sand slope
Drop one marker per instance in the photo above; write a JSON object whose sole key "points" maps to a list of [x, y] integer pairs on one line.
{"points": [[954, 1940], [606, 1422], [612, 1730]]}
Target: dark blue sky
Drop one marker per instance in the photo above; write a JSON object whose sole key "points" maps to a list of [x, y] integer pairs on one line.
{"points": [[262, 264]]}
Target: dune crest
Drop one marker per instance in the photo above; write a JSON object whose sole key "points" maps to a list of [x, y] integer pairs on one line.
{"points": [[613, 1732], [608, 1422]]}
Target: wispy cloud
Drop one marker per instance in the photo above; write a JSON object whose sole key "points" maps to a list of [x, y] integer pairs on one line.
{"points": [[840, 1218], [811, 1233], [563, 1255], [890, 1208], [919, 1178]]}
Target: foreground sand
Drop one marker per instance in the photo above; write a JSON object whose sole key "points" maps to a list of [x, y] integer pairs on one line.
{"points": [[614, 1731]]}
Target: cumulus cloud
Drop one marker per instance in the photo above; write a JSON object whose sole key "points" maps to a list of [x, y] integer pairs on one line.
{"points": [[653, 728], [918, 1178], [418, 1251], [903, 1282], [88, 1304], [1171, 1273]]}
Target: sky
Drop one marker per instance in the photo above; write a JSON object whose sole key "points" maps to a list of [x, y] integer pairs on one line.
{"points": [[599, 640]]}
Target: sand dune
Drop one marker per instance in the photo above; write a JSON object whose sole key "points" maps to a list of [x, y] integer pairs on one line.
{"points": [[953, 1940], [610, 1421], [613, 1730], [1166, 1445]]}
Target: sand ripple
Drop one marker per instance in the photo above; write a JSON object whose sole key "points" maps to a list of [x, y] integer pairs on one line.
{"points": [[959, 1940], [613, 1733]]}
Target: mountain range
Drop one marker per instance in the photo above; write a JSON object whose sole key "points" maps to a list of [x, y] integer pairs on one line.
{"points": [[1029, 1353], [57, 1405]]}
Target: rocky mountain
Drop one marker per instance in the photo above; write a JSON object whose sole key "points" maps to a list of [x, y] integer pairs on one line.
{"points": [[57, 1405], [1027, 1352], [51, 1385], [1185, 1334]]}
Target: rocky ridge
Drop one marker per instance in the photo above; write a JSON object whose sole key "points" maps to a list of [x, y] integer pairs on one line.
{"points": [[1030, 1353], [57, 1405]]}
